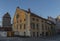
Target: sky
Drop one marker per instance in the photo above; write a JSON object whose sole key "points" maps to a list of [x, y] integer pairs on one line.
{"points": [[42, 8]]}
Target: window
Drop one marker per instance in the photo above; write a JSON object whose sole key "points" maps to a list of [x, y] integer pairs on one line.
{"points": [[51, 27], [17, 16], [33, 19], [37, 26], [33, 26], [20, 20], [46, 33], [33, 34], [46, 27], [24, 19], [42, 33], [24, 33], [42, 27], [24, 26], [20, 26], [41, 21], [37, 34], [37, 19]]}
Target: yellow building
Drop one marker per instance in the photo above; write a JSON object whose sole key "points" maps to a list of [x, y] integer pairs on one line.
{"points": [[26, 23]]}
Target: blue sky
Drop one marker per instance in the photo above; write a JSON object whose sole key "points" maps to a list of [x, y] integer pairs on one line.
{"points": [[42, 8]]}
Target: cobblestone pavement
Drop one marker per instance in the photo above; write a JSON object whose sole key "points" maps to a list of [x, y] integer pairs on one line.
{"points": [[53, 38]]}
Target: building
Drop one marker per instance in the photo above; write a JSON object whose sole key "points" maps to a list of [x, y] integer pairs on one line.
{"points": [[6, 20], [26, 23], [57, 22], [52, 19], [6, 29]]}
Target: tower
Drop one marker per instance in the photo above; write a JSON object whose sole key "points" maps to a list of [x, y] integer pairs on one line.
{"points": [[6, 20]]}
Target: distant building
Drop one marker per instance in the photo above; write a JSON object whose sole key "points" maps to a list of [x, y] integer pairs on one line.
{"points": [[26, 23], [6, 29], [57, 22], [6, 32], [6, 23], [6, 20], [52, 19]]}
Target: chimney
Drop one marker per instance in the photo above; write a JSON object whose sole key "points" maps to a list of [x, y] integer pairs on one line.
{"points": [[18, 7]]}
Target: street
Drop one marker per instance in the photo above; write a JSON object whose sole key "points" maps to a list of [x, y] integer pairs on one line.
{"points": [[54, 38]]}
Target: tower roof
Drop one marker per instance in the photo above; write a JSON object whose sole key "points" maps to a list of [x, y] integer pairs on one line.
{"points": [[7, 15]]}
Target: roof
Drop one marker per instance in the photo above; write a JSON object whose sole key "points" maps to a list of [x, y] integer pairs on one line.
{"points": [[36, 15], [7, 15]]}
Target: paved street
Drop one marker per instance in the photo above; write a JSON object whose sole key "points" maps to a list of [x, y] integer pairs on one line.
{"points": [[55, 38]]}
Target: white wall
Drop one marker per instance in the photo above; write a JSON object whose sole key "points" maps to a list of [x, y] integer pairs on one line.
{"points": [[3, 34]]}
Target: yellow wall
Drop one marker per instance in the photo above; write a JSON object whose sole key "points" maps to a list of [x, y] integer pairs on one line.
{"points": [[20, 20]]}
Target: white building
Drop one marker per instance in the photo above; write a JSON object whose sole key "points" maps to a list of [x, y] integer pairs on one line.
{"points": [[57, 22], [3, 34]]}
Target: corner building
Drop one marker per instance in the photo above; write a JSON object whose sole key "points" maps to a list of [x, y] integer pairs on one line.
{"points": [[26, 23]]}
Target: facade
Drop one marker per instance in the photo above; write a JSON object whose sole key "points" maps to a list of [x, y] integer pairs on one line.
{"points": [[57, 22], [6, 20], [6, 32], [6, 29], [3, 34], [26, 23], [52, 19]]}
